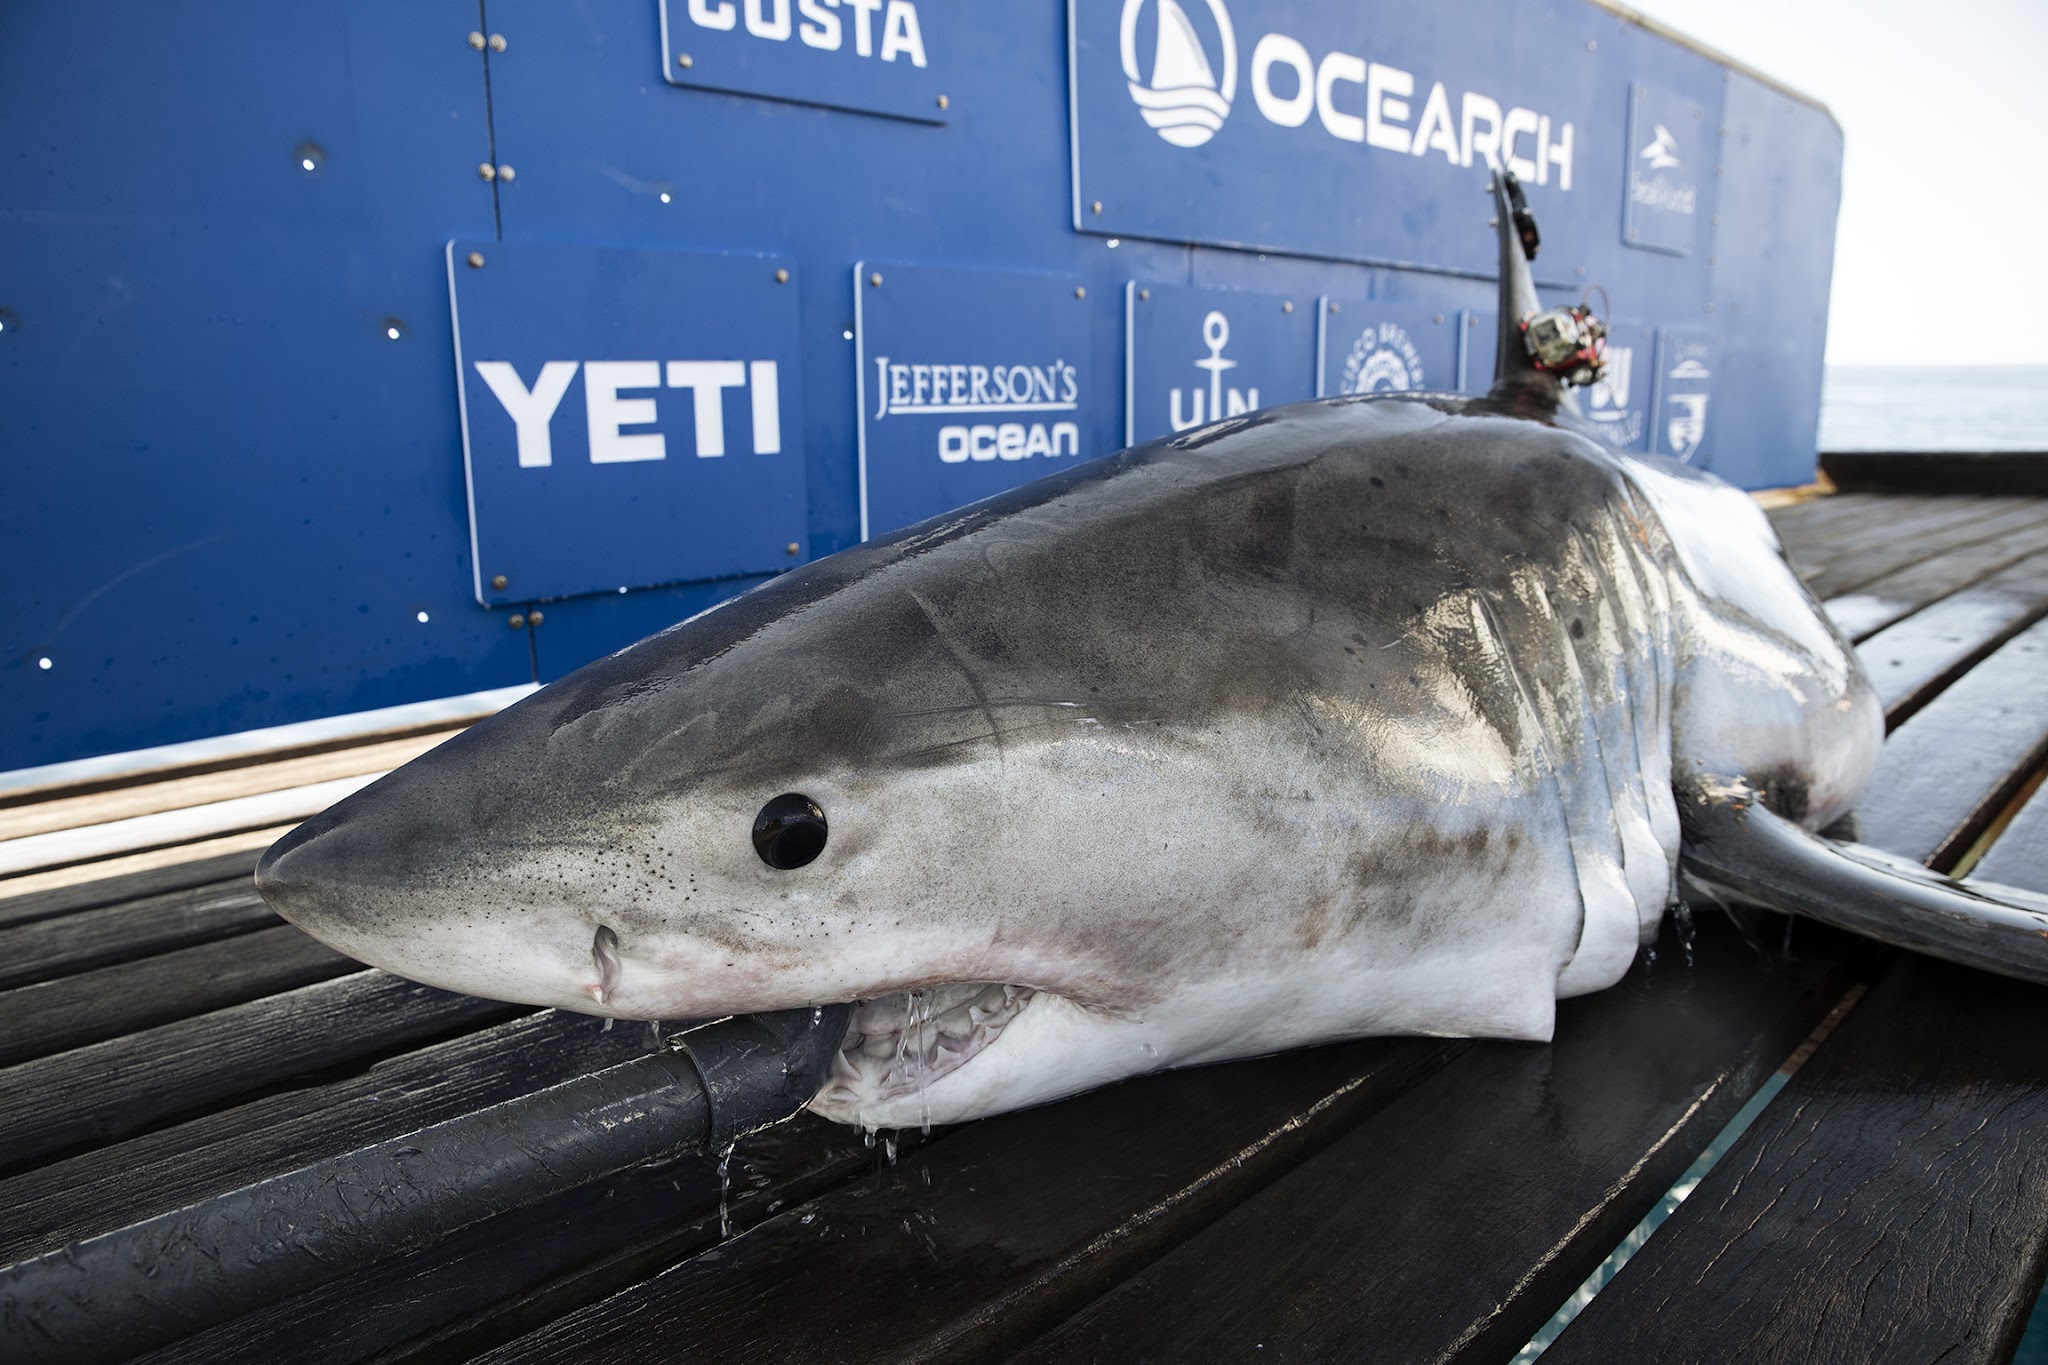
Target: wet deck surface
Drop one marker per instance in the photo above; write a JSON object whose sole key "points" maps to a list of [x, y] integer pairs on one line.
{"points": [[164, 1038]]}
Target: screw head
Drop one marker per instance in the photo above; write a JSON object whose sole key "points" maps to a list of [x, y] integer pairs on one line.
{"points": [[1287, 305], [516, 621], [476, 262], [476, 40], [685, 61], [945, 103], [1336, 308], [793, 548], [1095, 207], [782, 277], [506, 173], [533, 618], [1080, 291], [875, 280], [487, 171], [1439, 319], [1144, 294], [499, 581], [497, 42]]}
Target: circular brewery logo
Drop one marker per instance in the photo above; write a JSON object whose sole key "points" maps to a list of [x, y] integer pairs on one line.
{"points": [[1381, 360], [1181, 96]]}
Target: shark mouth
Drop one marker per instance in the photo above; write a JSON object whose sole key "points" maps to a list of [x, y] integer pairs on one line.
{"points": [[901, 1044]]}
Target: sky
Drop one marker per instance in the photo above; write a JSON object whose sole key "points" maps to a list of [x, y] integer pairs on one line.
{"points": [[1943, 104]]}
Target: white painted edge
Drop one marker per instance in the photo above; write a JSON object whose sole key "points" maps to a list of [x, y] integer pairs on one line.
{"points": [[252, 744], [1130, 363], [860, 395], [476, 563], [36, 851]]}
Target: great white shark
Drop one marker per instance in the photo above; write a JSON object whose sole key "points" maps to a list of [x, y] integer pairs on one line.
{"points": [[1392, 714]]}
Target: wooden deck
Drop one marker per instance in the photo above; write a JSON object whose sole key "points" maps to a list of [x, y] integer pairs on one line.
{"points": [[164, 1038]]}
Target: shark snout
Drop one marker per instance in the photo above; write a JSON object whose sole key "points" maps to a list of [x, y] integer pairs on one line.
{"points": [[311, 877]]}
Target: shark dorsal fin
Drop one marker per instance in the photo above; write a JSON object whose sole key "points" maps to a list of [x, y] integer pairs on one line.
{"points": [[1516, 380]]}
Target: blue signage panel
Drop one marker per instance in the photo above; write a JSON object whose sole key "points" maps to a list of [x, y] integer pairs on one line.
{"points": [[874, 56], [1476, 346], [1197, 355], [1686, 361], [1672, 151], [1618, 403], [1377, 346], [629, 417], [1316, 126], [971, 382]]}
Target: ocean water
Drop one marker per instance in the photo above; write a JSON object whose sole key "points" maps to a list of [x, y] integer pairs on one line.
{"points": [[1934, 407]]}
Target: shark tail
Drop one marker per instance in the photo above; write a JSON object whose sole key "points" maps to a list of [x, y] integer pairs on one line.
{"points": [[1742, 848]]}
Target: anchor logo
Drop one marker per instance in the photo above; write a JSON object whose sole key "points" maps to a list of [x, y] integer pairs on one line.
{"points": [[1184, 102], [1221, 402]]}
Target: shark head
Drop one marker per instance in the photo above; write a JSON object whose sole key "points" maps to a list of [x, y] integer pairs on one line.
{"points": [[1017, 781]]}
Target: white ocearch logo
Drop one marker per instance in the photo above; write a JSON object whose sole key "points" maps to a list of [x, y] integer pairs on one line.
{"points": [[1183, 100]]}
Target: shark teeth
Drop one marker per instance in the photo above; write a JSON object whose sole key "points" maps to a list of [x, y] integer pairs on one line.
{"points": [[900, 1044]]}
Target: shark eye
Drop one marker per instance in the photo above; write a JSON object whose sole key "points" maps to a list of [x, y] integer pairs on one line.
{"points": [[789, 831]]}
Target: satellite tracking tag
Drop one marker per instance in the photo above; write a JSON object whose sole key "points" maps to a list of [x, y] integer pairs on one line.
{"points": [[629, 417], [1378, 346], [1200, 355], [971, 382]]}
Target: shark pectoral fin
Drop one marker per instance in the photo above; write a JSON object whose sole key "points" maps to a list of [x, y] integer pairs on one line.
{"points": [[1744, 849]]}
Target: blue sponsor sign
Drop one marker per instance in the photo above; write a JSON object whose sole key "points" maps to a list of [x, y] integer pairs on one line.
{"points": [[1686, 361], [1476, 346], [970, 382], [1672, 151], [1617, 404], [1195, 356], [1376, 346], [629, 417], [873, 56], [1314, 126]]}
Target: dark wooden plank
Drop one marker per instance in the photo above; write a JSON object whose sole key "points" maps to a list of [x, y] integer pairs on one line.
{"points": [[45, 949], [1451, 1224], [225, 867], [2020, 856], [1847, 518], [1005, 1227], [1890, 1205], [54, 1016], [108, 1090], [174, 1166], [1884, 524], [1898, 595], [495, 1282], [1951, 767], [1888, 553], [1914, 659]]}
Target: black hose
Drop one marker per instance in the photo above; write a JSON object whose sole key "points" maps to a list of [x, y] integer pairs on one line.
{"points": [[141, 1286]]}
